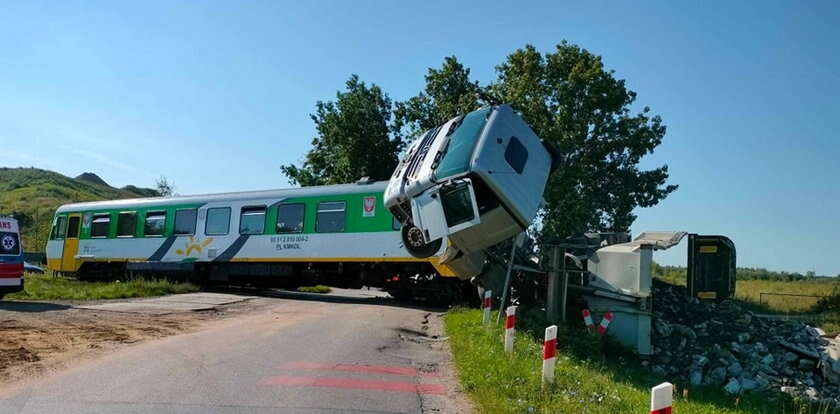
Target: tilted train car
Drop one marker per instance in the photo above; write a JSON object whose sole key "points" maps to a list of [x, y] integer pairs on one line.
{"points": [[340, 234]]}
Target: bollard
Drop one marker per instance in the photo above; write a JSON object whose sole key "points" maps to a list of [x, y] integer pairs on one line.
{"points": [[510, 323], [605, 323], [486, 305], [549, 355], [661, 398], [587, 319]]}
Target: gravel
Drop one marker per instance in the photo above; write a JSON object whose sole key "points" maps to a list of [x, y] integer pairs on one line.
{"points": [[723, 345]]}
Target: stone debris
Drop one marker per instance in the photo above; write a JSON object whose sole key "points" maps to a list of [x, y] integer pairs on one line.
{"points": [[723, 345]]}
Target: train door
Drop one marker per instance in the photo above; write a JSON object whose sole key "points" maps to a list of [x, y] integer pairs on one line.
{"points": [[69, 261]]}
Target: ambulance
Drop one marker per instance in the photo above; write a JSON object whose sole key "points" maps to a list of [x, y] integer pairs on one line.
{"points": [[11, 257]]}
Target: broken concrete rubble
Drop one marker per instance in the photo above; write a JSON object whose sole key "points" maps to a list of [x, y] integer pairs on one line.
{"points": [[723, 345]]}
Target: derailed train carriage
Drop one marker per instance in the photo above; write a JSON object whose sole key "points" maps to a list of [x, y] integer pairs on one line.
{"points": [[338, 234]]}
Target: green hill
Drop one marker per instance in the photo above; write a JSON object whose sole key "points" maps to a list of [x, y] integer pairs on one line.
{"points": [[31, 195]]}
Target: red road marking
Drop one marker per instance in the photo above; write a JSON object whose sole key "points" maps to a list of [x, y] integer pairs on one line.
{"points": [[370, 369], [354, 383]]}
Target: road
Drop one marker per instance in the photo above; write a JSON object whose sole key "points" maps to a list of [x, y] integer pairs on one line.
{"points": [[289, 356]]}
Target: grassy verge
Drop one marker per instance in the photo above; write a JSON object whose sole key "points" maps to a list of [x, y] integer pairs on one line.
{"points": [[586, 381], [48, 287], [314, 289]]}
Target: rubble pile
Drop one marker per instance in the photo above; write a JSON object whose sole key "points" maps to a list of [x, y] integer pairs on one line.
{"points": [[723, 345]]}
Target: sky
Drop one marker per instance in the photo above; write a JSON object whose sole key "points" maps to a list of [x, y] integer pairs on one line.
{"points": [[217, 95]]}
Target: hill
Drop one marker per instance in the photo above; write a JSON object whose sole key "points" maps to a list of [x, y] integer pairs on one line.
{"points": [[32, 195]]}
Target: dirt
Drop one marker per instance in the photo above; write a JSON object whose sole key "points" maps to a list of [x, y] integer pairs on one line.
{"points": [[38, 338]]}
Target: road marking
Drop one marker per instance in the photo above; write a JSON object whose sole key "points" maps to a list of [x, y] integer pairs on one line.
{"points": [[370, 369], [354, 383]]}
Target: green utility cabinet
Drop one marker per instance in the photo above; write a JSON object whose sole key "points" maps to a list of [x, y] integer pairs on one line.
{"points": [[711, 267]]}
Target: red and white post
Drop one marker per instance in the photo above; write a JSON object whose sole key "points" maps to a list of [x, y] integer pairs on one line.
{"points": [[661, 398], [510, 324], [587, 319], [486, 305], [549, 355], [605, 323]]}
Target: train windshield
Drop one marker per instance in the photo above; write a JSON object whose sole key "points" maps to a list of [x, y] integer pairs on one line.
{"points": [[9, 244], [462, 140]]}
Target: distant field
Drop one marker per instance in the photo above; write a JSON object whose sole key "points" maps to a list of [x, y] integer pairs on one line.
{"points": [[750, 291]]}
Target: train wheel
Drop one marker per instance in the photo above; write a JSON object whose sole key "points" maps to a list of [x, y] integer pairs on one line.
{"points": [[412, 238]]}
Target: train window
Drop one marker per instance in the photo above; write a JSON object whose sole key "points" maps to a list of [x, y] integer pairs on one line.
{"points": [[252, 220], [126, 224], [100, 225], [185, 221], [155, 223], [290, 218], [218, 221], [516, 155], [73, 227], [59, 228], [330, 218]]}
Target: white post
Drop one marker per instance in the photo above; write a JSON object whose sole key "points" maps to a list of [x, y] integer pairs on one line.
{"points": [[510, 323], [605, 323], [486, 304], [549, 354], [661, 398]]}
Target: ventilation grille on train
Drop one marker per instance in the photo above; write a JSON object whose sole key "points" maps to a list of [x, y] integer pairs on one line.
{"points": [[422, 150]]}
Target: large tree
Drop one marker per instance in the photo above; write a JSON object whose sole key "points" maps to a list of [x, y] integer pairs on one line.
{"points": [[354, 138], [449, 92], [573, 102]]}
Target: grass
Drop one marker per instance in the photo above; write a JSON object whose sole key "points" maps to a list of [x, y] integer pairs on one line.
{"points": [[314, 289], [48, 287], [585, 380]]}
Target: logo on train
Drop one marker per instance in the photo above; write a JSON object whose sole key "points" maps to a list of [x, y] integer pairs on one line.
{"points": [[369, 207], [194, 244]]}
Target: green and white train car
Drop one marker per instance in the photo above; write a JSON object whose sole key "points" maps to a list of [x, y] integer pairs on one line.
{"points": [[339, 233]]}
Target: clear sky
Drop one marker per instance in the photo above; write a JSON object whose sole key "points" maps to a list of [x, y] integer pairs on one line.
{"points": [[217, 95]]}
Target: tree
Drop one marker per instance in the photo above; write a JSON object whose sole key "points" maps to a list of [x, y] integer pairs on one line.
{"points": [[449, 92], [164, 187], [571, 101], [355, 138]]}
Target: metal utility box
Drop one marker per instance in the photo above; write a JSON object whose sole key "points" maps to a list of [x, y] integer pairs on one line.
{"points": [[711, 267]]}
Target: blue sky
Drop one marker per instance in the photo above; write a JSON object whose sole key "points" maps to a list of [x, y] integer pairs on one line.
{"points": [[217, 95]]}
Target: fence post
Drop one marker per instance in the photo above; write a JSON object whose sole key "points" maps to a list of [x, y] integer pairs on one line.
{"points": [[488, 301], [551, 308], [549, 355], [661, 398], [510, 324]]}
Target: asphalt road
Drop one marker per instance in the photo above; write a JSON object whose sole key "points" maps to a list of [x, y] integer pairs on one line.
{"points": [[290, 356]]}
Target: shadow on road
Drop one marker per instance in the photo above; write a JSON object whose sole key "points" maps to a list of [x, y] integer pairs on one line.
{"points": [[329, 297], [31, 307]]}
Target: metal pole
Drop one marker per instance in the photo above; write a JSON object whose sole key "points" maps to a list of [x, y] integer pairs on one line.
{"points": [[553, 276], [507, 280], [565, 285]]}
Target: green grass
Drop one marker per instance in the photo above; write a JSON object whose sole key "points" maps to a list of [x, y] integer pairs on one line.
{"points": [[585, 380], [48, 287], [314, 289]]}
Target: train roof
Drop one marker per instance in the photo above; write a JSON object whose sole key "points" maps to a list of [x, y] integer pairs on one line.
{"points": [[326, 190]]}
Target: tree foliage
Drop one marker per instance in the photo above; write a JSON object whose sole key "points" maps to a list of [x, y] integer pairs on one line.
{"points": [[449, 92], [354, 138], [164, 188]]}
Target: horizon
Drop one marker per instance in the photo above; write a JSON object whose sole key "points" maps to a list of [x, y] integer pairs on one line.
{"points": [[216, 97]]}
